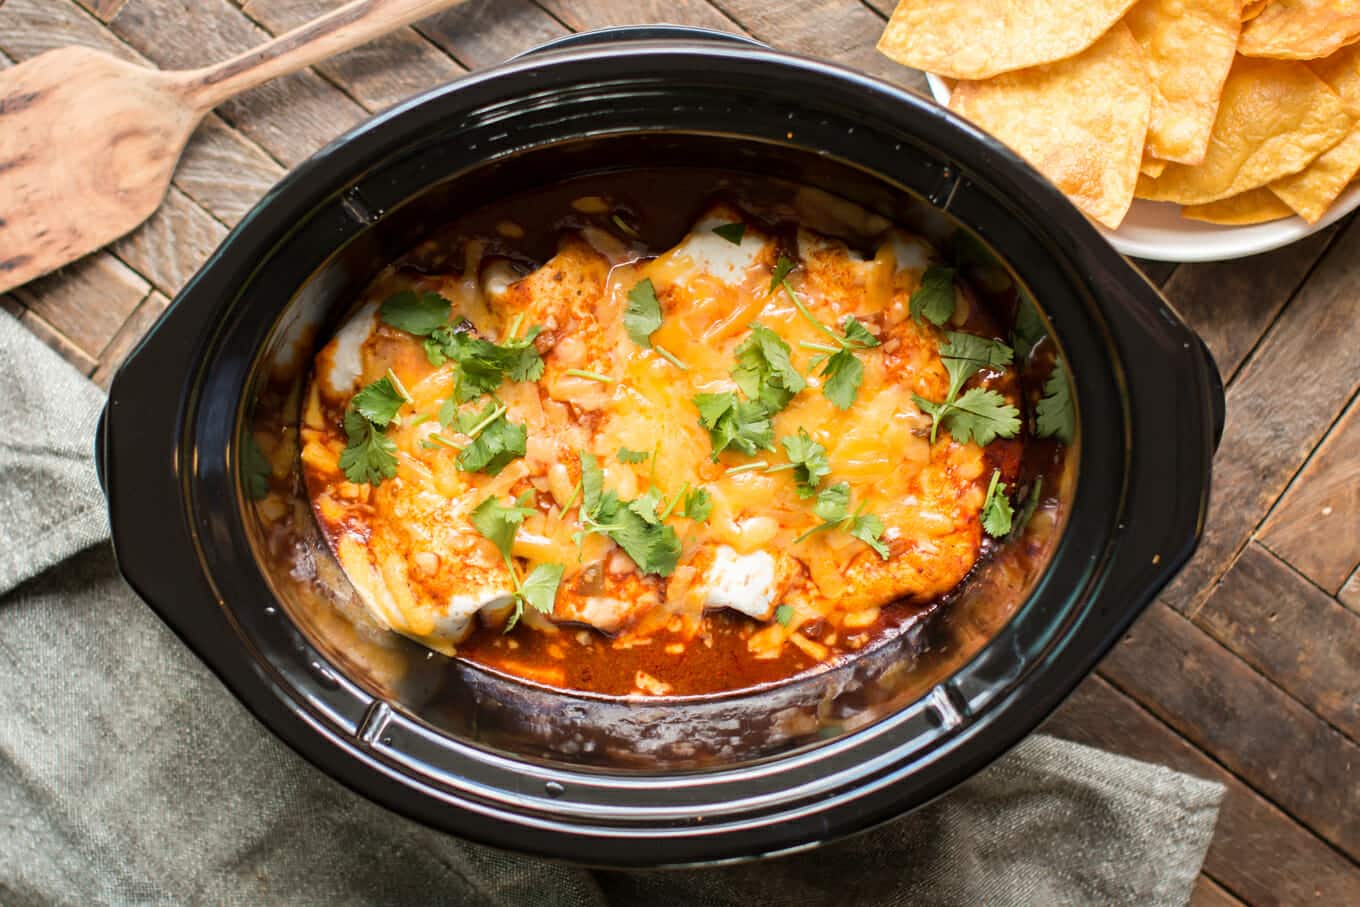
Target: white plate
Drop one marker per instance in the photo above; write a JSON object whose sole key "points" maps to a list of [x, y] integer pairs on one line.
{"points": [[1156, 230]]}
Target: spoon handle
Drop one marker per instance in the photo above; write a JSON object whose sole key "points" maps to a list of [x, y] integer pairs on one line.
{"points": [[336, 32]]}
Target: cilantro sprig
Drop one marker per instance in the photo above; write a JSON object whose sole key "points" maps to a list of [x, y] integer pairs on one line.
{"points": [[978, 414], [642, 318], [1055, 416], [833, 506], [743, 425], [997, 513], [482, 365], [841, 368], [498, 523], [764, 370], [632, 456], [807, 459], [635, 526], [370, 456], [933, 300]]}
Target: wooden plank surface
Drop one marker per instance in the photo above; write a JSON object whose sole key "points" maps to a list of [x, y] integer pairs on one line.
{"points": [[1246, 672], [1316, 525]]}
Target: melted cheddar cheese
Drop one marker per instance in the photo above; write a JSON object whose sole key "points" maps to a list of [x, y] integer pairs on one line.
{"points": [[423, 570]]}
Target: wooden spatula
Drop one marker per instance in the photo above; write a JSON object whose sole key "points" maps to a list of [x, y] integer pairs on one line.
{"points": [[88, 142]]}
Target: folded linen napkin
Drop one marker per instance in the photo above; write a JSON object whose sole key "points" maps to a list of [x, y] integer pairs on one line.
{"points": [[128, 774]]}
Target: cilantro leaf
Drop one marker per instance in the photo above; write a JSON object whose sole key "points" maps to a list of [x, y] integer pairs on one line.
{"points": [[731, 232], [1029, 326], [643, 315], [592, 482], [809, 461], [483, 365], [933, 300], [632, 456], [979, 415], [698, 505], [833, 506], [255, 468], [843, 373], [732, 422], [856, 334], [782, 267], [378, 402], [369, 456], [417, 314], [783, 615], [997, 514], [833, 503], [646, 506], [764, 371], [869, 529], [964, 355], [653, 546], [448, 412], [498, 522], [1055, 417], [539, 588], [1027, 509], [498, 444]]}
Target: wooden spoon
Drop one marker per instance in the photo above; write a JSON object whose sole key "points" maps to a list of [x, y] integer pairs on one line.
{"points": [[88, 142]]}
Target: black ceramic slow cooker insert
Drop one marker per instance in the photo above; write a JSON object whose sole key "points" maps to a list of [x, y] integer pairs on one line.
{"points": [[614, 781]]}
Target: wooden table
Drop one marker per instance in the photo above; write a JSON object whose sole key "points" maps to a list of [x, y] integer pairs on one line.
{"points": [[1247, 670]]}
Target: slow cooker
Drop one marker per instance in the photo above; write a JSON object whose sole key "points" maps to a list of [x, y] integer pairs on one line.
{"points": [[618, 781]]}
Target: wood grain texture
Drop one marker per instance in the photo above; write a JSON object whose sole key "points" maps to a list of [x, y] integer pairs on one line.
{"points": [[1293, 633], [580, 15], [58, 341], [1238, 717], [224, 171], [1283, 401], [141, 320], [11, 305], [290, 117], [842, 31], [377, 74], [30, 27], [1258, 853], [104, 9], [1232, 303], [1316, 525], [1208, 893], [87, 301], [171, 246], [1350, 592], [486, 32]]}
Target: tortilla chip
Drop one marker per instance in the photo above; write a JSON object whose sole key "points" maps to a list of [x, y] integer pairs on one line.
{"points": [[1253, 207], [977, 39], [1152, 166], [1189, 46], [1312, 190], [1301, 29], [1273, 120], [1253, 8], [1090, 150], [1342, 72]]}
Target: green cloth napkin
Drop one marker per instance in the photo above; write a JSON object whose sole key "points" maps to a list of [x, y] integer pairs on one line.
{"points": [[128, 774]]}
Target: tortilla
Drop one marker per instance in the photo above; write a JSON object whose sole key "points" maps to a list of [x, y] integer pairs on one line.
{"points": [[1190, 46], [1255, 206], [1253, 8], [1301, 29], [977, 39], [1273, 120], [1312, 190], [1091, 151], [1152, 166]]}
